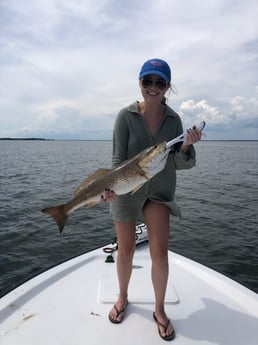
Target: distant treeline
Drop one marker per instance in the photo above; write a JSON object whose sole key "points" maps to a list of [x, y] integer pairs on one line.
{"points": [[24, 139]]}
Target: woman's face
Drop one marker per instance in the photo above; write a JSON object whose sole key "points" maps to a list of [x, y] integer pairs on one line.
{"points": [[153, 88]]}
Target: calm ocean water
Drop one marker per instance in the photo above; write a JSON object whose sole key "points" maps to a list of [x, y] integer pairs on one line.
{"points": [[219, 200]]}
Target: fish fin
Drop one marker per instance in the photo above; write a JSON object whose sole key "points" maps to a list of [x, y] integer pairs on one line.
{"points": [[91, 178], [137, 188], [58, 214]]}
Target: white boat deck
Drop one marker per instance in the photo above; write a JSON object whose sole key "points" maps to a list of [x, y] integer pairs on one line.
{"points": [[69, 305]]}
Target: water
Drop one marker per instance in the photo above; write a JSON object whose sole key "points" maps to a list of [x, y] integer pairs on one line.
{"points": [[219, 199]]}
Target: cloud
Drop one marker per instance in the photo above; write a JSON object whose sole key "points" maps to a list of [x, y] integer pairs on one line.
{"points": [[193, 112], [234, 117], [244, 111], [67, 67]]}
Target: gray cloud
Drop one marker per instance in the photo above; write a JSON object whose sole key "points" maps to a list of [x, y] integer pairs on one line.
{"points": [[67, 67]]}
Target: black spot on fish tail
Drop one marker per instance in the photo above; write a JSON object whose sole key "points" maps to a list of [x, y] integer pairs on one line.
{"points": [[58, 214]]}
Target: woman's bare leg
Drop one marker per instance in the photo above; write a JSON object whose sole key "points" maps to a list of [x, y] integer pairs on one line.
{"points": [[125, 232], [157, 219]]}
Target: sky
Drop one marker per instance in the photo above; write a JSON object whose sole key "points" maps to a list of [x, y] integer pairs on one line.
{"points": [[68, 66]]}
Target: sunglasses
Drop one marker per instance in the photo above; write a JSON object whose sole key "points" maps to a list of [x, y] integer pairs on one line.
{"points": [[147, 82]]}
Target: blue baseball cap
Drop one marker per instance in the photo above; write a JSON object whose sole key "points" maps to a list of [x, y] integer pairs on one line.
{"points": [[156, 66]]}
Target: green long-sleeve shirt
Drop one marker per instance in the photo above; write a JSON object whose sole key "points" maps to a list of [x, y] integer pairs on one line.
{"points": [[132, 135]]}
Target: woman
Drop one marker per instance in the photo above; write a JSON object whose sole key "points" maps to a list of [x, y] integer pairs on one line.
{"points": [[138, 126]]}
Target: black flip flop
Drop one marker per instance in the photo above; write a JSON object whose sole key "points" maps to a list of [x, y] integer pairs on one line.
{"points": [[165, 337], [118, 312]]}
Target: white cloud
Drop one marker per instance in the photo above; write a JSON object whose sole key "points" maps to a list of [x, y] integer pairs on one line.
{"points": [[66, 65], [237, 115], [192, 112]]}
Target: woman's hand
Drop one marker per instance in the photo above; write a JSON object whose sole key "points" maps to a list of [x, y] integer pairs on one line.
{"points": [[193, 136], [108, 196]]}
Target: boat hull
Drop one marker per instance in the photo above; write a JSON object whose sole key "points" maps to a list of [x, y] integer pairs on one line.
{"points": [[69, 304]]}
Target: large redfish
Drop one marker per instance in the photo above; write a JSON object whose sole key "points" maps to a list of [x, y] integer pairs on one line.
{"points": [[127, 177]]}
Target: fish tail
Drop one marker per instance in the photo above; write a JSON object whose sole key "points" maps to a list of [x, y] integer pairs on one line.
{"points": [[59, 215]]}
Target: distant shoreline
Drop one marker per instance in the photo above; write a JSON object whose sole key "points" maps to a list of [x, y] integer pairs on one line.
{"points": [[27, 139]]}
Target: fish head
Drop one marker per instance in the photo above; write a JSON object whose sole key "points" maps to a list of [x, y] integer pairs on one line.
{"points": [[154, 159]]}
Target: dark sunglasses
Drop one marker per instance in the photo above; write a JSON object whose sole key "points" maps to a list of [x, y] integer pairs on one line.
{"points": [[147, 82]]}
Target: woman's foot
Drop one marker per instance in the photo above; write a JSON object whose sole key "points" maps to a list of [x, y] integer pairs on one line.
{"points": [[166, 330], [117, 313]]}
